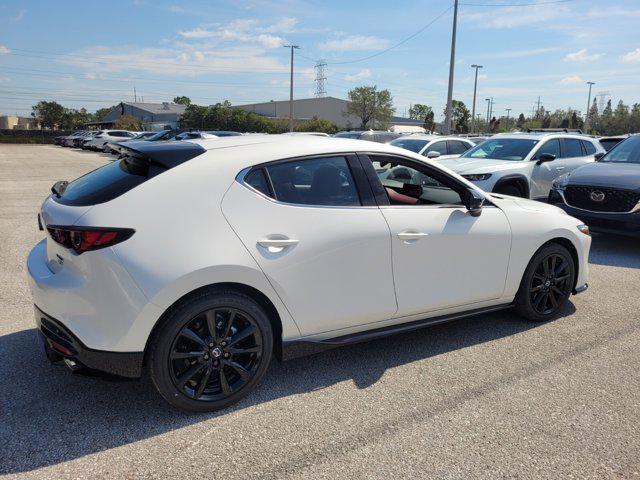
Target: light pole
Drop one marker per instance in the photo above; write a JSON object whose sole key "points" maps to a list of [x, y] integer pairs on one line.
{"points": [[488, 106], [508, 111], [452, 61], [292, 47], [586, 116], [475, 89]]}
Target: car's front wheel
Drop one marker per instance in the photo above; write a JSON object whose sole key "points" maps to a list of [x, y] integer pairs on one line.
{"points": [[547, 283], [211, 350]]}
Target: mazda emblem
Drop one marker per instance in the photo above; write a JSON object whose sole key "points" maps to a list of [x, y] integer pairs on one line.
{"points": [[597, 196]]}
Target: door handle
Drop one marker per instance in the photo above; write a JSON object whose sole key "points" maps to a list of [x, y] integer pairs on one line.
{"points": [[276, 245], [559, 168], [411, 235]]}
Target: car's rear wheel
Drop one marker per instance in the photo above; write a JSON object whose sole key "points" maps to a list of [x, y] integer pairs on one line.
{"points": [[211, 351], [547, 283]]}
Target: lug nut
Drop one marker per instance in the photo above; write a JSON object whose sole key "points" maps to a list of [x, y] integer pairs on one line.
{"points": [[226, 355], [206, 357], [211, 344]]}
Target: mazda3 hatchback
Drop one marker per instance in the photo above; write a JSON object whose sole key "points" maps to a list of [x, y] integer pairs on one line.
{"points": [[197, 262]]}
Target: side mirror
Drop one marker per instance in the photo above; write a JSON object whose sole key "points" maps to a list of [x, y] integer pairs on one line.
{"points": [[433, 154], [474, 202], [546, 157], [599, 155]]}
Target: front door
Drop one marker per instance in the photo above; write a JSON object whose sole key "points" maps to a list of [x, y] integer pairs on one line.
{"points": [[442, 256], [327, 256]]}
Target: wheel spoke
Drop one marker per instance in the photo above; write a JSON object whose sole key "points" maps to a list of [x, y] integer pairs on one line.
{"points": [[545, 267], [558, 291], [538, 301], [538, 277], [211, 323], [562, 278], [232, 318], [243, 372], [560, 268], [224, 384], [179, 355], [193, 336], [241, 350], [246, 332], [203, 382], [552, 297], [535, 289], [189, 374]]}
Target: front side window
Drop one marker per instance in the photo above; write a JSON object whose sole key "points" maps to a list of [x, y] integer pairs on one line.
{"points": [[502, 149], [440, 147], [572, 148], [407, 184], [317, 181], [551, 147]]}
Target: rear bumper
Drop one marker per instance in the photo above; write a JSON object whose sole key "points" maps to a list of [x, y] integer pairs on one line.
{"points": [[63, 341]]}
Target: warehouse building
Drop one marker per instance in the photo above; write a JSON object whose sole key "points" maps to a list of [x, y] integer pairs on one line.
{"points": [[154, 116]]}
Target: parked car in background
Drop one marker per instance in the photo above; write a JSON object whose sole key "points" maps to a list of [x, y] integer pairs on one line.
{"points": [[434, 146], [100, 141], [371, 135], [605, 194], [78, 141], [144, 135], [609, 142], [193, 136], [115, 288], [524, 164], [67, 141]]}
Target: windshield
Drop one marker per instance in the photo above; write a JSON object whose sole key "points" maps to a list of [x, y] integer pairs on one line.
{"points": [[412, 144], [627, 151], [502, 149], [160, 135], [348, 135]]}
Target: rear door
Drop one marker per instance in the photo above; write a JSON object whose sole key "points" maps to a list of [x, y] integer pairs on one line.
{"points": [[313, 228], [574, 154]]}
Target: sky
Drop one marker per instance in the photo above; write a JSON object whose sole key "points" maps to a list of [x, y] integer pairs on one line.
{"points": [[93, 55]]}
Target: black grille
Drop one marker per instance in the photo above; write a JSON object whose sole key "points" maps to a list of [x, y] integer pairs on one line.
{"points": [[614, 200]]}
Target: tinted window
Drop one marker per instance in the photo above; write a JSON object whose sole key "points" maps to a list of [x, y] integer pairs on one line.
{"points": [[609, 143], [406, 185], [440, 147], [457, 147], [502, 149], [318, 181], [258, 180], [588, 147], [626, 151], [412, 144], [572, 148], [551, 147], [348, 135]]}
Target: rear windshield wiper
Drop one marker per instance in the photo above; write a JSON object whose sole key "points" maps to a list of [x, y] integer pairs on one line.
{"points": [[59, 188]]}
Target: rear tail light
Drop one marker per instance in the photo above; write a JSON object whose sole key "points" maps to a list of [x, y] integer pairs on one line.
{"points": [[84, 239]]}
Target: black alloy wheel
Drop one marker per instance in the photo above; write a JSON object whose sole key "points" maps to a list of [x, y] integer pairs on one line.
{"points": [[215, 354], [210, 350], [546, 284], [550, 284]]}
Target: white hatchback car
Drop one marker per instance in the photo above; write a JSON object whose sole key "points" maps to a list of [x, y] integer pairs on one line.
{"points": [[201, 261], [434, 146], [100, 141], [524, 164]]}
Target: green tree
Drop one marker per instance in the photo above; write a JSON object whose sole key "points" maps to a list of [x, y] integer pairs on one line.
{"points": [[372, 107], [621, 118], [606, 120], [48, 114], [521, 121], [594, 118], [182, 100], [461, 116], [424, 113]]}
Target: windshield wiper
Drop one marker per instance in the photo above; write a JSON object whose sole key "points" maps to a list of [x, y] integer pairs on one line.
{"points": [[59, 188]]}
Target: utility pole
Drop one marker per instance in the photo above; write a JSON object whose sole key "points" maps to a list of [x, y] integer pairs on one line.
{"points": [[586, 116], [491, 108], [452, 62], [292, 47], [488, 107], [538, 107], [135, 97], [475, 89], [508, 112]]}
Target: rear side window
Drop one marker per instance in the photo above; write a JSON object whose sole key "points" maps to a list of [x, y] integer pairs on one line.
{"points": [[572, 148], [457, 147], [440, 147], [318, 181], [116, 178], [588, 147], [258, 180]]}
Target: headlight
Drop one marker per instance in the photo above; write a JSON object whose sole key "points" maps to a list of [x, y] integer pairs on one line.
{"points": [[476, 177], [561, 182]]}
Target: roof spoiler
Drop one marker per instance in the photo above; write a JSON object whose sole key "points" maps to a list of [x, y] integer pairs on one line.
{"points": [[168, 154]]}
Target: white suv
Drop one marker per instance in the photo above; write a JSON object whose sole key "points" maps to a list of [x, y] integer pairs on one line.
{"points": [[434, 146], [100, 141], [524, 164], [202, 261]]}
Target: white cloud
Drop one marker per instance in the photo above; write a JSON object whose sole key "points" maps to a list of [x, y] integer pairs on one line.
{"points": [[512, 17], [582, 56], [243, 30], [4, 50], [521, 53], [571, 80], [18, 16], [633, 56], [90, 76], [4, 79], [361, 75], [355, 43]]}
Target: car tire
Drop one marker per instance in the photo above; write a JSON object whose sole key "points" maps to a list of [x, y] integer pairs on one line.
{"points": [[196, 370], [510, 189], [546, 284]]}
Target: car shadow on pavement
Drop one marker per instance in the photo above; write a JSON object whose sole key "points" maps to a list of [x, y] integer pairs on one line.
{"points": [[49, 415], [615, 251]]}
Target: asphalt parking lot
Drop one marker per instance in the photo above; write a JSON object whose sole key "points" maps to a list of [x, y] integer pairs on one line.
{"points": [[486, 397]]}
